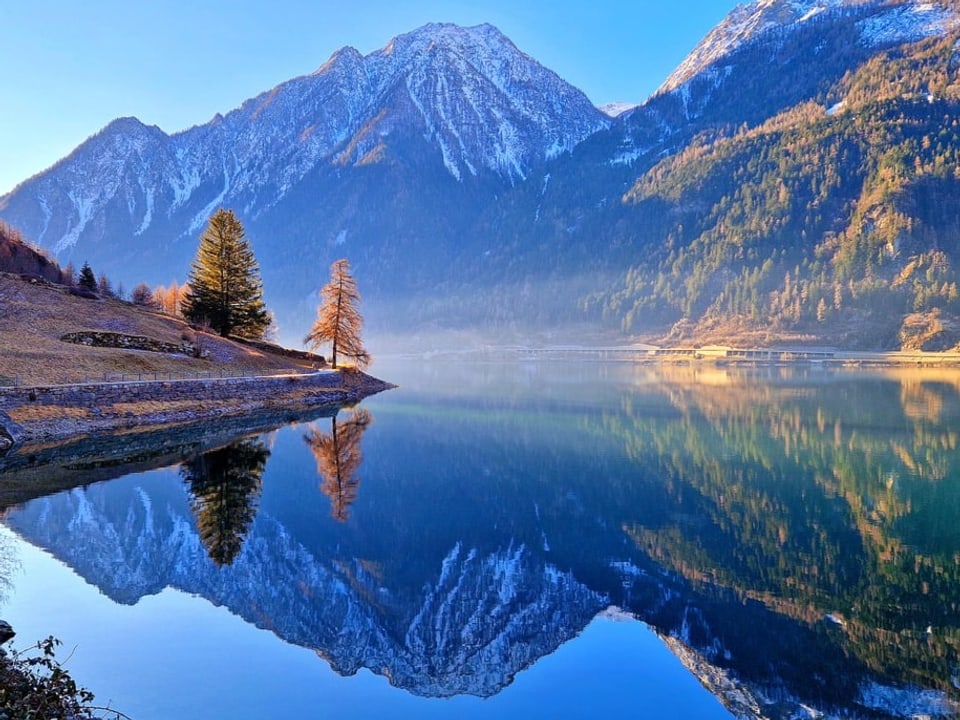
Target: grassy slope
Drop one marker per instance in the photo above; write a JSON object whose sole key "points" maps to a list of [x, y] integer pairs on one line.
{"points": [[34, 315]]}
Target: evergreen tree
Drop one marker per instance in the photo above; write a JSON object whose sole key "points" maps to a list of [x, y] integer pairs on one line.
{"points": [[87, 281], [225, 286], [338, 317]]}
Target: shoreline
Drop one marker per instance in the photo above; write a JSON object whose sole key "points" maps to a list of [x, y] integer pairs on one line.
{"points": [[838, 360], [642, 354], [35, 470], [32, 417]]}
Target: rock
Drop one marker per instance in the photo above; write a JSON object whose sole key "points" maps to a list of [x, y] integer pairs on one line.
{"points": [[6, 631], [10, 433]]}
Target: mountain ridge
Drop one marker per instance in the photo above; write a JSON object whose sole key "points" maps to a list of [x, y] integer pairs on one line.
{"points": [[270, 142]]}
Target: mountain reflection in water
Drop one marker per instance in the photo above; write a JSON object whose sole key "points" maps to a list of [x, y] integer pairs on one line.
{"points": [[791, 534]]}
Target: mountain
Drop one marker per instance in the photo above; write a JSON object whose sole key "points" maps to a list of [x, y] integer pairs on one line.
{"points": [[616, 108], [875, 24], [824, 212], [384, 157], [808, 200], [428, 642]]}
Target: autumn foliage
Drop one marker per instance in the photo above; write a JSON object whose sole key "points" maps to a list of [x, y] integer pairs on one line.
{"points": [[338, 318]]}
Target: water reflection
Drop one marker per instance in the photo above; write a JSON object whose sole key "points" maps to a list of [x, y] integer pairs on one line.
{"points": [[339, 457], [792, 536], [224, 487], [832, 504]]}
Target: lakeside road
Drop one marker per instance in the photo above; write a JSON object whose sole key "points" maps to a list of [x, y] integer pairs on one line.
{"points": [[56, 413]]}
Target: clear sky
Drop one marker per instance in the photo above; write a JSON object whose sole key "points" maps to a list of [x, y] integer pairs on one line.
{"points": [[69, 67]]}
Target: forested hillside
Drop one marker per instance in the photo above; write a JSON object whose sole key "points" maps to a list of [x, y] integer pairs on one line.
{"points": [[835, 219]]}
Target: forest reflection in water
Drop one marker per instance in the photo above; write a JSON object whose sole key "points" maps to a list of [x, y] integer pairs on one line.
{"points": [[790, 533]]}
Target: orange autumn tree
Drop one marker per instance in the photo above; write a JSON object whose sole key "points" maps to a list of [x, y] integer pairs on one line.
{"points": [[338, 317], [338, 459]]}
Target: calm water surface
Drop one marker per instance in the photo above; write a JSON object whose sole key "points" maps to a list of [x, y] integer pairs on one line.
{"points": [[528, 539]]}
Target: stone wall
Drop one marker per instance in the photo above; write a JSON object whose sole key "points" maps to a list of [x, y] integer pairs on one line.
{"points": [[110, 407], [92, 338], [205, 389]]}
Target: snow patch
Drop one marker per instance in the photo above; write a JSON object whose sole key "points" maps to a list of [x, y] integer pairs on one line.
{"points": [[834, 109], [184, 187], [628, 155], [811, 13], [147, 510], [908, 23], [202, 217], [627, 569], [45, 211], [85, 209], [147, 214]]}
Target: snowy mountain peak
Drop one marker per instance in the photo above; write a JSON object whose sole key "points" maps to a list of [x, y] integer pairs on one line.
{"points": [[616, 109], [450, 35], [465, 97], [346, 55], [877, 22]]}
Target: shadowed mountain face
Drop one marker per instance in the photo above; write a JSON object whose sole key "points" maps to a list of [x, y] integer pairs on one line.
{"points": [[491, 527]]}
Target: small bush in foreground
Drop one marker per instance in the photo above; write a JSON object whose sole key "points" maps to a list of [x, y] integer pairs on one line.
{"points": [[34, 685]]}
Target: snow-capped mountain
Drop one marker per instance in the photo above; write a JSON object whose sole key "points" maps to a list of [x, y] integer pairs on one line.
{"points": [[616, 109], [463, 100], [880, 22]]}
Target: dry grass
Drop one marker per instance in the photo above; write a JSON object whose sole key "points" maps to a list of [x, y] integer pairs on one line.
{"points": [[41, 413], [33, 317]]}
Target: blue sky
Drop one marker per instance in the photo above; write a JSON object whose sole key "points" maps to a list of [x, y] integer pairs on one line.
{"points": [[71, 66]]}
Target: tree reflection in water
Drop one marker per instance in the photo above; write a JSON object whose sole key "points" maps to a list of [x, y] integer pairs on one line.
{"points": [[339, 458], [224, 487]]}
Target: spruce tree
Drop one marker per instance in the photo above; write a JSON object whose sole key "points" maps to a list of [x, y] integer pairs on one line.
{"points": [[87, 281], [338, 317], [225, 286]]}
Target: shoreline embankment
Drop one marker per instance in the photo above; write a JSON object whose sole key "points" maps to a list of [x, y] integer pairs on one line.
{"points": [[37, 415]]}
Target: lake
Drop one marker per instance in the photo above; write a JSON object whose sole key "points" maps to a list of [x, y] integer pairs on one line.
{"points": [[524, 539]]}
